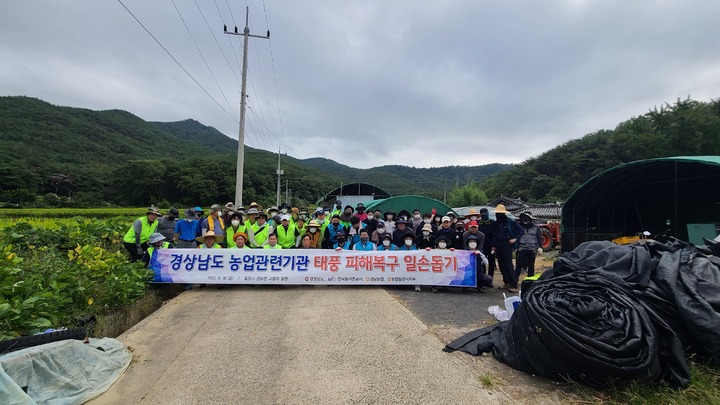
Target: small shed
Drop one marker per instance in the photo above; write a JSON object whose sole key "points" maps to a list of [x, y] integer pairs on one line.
{"points": [[409, 203], [677, 195], [352, 194]]}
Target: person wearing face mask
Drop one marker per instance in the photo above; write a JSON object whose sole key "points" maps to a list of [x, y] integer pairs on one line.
{"points": [[186, 229], [426, 220], [313, 230], [377, 234], [213, 222], [353, 232], [284, 207], [529, 243], [364, 242], [408, 243], [482, 279], [416, 219], [236, 226], [402, 231], [389, 216], [487, 226], [386, 242], [506, 234], [473, 230], [331, 231], [166, 224], [472, 215], [441, 243], [156, 242], [342, 242], [287, 234], [437, 221], [338, 208], [446, 230], [370, 222], [346, 216], [458, 242], [258, 234], [426, 239]]}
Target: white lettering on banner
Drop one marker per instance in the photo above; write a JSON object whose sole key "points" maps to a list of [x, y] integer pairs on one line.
{"points": [[316, 266]]}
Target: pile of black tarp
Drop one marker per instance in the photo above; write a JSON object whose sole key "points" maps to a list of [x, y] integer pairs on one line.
{"points": [[608, 313]]}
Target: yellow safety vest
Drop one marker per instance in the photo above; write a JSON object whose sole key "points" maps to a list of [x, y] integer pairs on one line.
{"points": [[145, 232], [261, 236], [150, 250], [286, 238], [230, 235]]}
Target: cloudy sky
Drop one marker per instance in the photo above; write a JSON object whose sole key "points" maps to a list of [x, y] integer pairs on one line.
{"points": [[370, 83]]}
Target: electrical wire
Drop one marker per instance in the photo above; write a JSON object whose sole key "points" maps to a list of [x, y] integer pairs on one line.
{"points": [[176, 61], [215, 38]]}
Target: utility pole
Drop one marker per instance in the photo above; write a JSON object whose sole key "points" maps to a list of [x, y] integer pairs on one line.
{"points": [[243, 94], [287, 193], [279, 173]]}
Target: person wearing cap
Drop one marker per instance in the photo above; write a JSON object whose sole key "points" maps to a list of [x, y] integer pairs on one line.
{"points": [[272, 212], [240, 241], [389, 219], [156, 241], [506, 234], [353, 232], [236, 226], [379, 231], [446, 230], [186, 230], [284, 209], [258, 233], [481, 262], [330, 236], [342, 242], [316, 236], [426, 220], [346, 215], [426, 239], [294, 215], [363, 242], [166, 224], [401, 231], [227, 210], [360, 212], [213, 222], [135, 239], [200, 213], [251, 221], [528, 246], [337, 210], [386, 242], [472, 215], [487, 226], [459, 242], [272, 242], [288, 235], [209, 240], [299, 224], [473, 230]]}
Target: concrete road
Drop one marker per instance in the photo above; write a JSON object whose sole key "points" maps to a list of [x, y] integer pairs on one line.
{"points": [[298, 344]]}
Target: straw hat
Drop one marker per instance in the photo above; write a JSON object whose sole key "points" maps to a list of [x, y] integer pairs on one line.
{"points": [[218, 238], [243, 234], [500, 209]]}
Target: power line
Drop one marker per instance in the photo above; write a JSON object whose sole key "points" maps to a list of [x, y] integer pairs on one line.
{"points": [[272, 62], [176, 61], [215, 38], [203, 58]]}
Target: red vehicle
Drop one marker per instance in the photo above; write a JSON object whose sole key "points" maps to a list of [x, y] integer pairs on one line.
{"points": [[550, 233]]}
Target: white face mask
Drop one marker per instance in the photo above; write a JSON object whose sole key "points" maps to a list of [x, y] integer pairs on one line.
{"points": [[416, 216], [386, 242], [284, 210], [408, 242], [426, 233], [380, 229], [370, 216], [235, 222], [312, 230], [426, 220], [442, 245], [473, 218], [188, 219], [472, 245]]}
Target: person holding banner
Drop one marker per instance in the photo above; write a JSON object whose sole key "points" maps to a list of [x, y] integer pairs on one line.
{"points": [[209, 240], [364, 242], [272, 242], [481, 262], [342, 242]]}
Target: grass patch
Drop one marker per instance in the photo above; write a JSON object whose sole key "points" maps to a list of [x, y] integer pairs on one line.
{"points": [[704, 389], [117, 322], [489, 381]]}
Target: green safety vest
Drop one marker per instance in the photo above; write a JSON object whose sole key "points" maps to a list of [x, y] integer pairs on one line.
{"points": [[145, 232], [286, 238], [215, 246], [277, 246], [230, 235], [261, 236], [150, 250]]}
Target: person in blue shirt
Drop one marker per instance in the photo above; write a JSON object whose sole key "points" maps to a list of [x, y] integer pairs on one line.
{"points": [[364, 242], [408, 243], [386, 242], [342, 242], [186, 230]]}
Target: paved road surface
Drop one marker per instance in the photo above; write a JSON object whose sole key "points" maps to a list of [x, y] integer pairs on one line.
{"points": [[299, 344]]}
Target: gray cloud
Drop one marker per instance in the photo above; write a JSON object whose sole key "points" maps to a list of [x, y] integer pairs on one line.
{"points": [[370, 83]]}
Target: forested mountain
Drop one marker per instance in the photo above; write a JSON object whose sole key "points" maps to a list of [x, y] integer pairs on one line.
{"points": [[685, 128], [55, 155]]}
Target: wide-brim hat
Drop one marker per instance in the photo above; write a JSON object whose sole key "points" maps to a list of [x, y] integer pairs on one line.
{"points": [[442, 238], [313, 224], [527, 214], [243, 234], [230, 206], [472, 212], [401, 221], [386, 236], [215, 207], [427, 227], [500, 209], [236, 214], [252, 211], [262, 214], [173, 211], [155, 238], [190, 213], [153, 210], [218, 238]]}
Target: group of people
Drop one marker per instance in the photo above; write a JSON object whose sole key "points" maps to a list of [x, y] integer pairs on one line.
{"points": [[345, 228]]}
